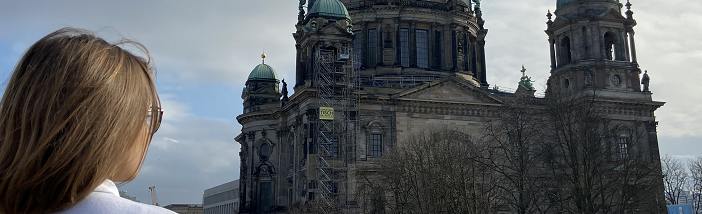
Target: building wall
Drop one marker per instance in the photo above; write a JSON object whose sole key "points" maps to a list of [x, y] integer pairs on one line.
{"points": [[222, 199], [185, 208]]}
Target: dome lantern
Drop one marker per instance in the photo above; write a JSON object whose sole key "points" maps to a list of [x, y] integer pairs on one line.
{"points": [[263, 72]]}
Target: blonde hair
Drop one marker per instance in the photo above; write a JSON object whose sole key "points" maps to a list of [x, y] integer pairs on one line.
{"points": [[70, 114]]}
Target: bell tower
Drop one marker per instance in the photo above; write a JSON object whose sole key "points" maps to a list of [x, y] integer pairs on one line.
{"points": [[326, 25], [592, 47]]}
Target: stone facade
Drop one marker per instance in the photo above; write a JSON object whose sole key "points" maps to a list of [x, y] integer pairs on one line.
{"points": [[421, 64]]}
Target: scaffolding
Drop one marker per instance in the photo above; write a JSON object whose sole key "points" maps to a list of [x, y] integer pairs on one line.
{"points": [[336, 81]]}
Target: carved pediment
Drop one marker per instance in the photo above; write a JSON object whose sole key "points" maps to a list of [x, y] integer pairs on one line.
{"points": [[450, 90], [334, 29], [612, 14]]}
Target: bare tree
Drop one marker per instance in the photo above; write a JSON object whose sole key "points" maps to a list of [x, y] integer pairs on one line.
{"points": [[595, 168], [675, 178], [439, 171], [516, 154], [695, 183]]}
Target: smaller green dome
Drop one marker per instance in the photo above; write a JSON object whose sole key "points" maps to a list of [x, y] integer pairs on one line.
{"points": [[329, 9], [263, 72], [564, 2]]}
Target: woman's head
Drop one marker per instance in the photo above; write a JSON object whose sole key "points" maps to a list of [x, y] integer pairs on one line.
{"points": [[73, 114]]}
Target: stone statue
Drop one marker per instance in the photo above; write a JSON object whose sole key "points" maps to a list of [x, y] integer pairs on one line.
{"points": [[477, 8], [285, 90], [388, 40], [645, 81], [587, 76], [302, 2]]}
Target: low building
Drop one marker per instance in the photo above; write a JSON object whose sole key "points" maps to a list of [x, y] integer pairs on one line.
{"points": [[185, 208], [222, 199], [123, 194]]}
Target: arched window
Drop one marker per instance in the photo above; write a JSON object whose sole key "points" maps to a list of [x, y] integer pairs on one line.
{"points": [[566, 51], [610, 41], [265, 151], [623, 135]]}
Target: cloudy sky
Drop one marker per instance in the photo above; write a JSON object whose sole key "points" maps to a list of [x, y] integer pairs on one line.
{"points": [[204, 50]]}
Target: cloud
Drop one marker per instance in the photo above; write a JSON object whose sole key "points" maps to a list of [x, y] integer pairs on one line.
{"points": [[187, 155], [667, 43], [218, 41]]}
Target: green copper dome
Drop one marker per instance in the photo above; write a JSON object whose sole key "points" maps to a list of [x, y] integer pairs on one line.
{"points": [[263, 72], [564, 2], [329, 9]]}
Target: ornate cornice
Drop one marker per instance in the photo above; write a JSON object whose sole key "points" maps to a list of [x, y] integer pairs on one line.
{"points": [[254, 116]]}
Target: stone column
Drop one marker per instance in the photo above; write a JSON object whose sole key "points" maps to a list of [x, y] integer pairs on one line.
{"points": [[551, 42], [434, 58], [398, 51], [632, 45], [454, 48], [299, 77], [446, 47], [364, 44], [413, 43], [472, 57], [624, 46], [481, 58], [380, 44]]}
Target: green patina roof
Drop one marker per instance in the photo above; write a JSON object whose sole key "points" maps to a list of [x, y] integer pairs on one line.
{"points": [[564, 2], [263, 72], [329, 9]]}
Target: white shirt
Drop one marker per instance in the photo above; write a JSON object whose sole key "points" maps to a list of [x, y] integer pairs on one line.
{"points": [[105, 200]]}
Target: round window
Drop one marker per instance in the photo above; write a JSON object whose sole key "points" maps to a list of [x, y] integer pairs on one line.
{"points": [[616, 80]]}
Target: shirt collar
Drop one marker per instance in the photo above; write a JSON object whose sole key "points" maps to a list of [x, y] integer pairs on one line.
{"points": [[107, 186]]}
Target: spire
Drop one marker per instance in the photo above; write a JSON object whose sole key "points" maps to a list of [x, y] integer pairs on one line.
{"points": [[478, 12], [549, 15], [629, 13], [263, 56]]}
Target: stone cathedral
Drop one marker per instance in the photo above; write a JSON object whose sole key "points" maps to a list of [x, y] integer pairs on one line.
{"points": [[410, 65]]}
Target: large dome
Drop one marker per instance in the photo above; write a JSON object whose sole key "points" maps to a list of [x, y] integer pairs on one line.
{"points": [[332, 9], [263, 72], [563, 2]]}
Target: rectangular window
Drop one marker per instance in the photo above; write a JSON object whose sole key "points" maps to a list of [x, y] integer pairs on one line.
{"points": [[376, 145], [404, 47], [372, 48], [436, 51], [358, 48], [623, 147], [422, 49]]}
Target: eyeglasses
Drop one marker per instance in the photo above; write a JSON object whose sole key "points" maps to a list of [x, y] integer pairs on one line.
{"points": [[159, 115]]}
